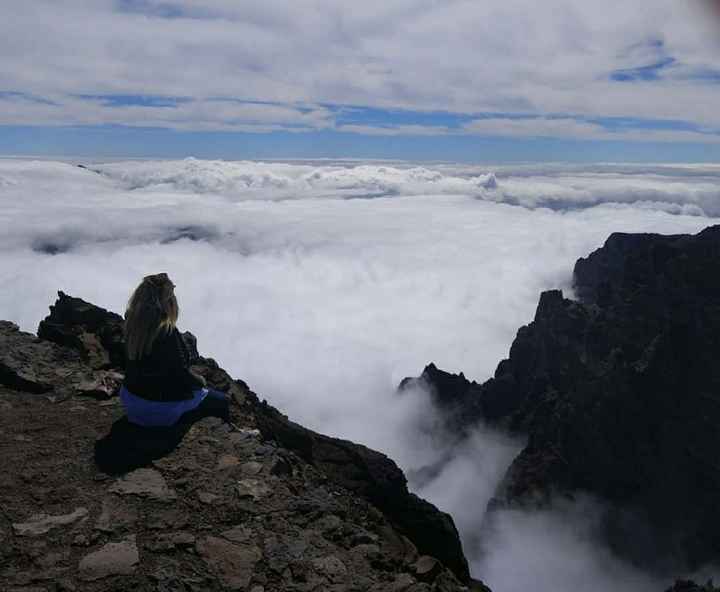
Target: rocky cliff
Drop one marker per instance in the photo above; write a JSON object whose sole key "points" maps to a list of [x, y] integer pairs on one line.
{"points": [[618, 392], [90, 502]]}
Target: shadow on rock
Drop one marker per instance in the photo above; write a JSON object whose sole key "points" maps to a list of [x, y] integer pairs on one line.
{"points": [[129, 446]]}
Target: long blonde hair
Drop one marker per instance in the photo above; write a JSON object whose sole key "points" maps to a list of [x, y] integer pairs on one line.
{"points": [[152, 308]]}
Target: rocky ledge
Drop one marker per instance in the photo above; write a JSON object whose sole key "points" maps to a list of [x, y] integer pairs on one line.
{"points": [[261, 505], [618, 392]]}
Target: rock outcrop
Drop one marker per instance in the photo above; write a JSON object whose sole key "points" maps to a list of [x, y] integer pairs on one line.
{"points": [[261, 504], [688, 586], [619, 395]]}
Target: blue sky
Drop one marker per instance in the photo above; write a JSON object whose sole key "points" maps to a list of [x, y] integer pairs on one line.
{"points": [[120, 141], [405, 79]]}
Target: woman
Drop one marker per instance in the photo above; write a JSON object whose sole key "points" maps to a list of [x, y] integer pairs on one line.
{"points": [[159, 388]]}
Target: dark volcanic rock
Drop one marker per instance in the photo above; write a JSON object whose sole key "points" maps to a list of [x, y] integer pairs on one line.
{"points": [[96, 333], [28, 364], [33, 365], [259, 505], [619, 393], [376, 478], [688, 586]]}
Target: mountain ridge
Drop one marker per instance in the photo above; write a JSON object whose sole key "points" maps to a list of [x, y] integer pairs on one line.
{"points": [[616, 391], [260, 505]]}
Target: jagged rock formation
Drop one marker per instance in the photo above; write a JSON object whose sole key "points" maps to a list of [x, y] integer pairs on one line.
{"points": [[619, 394], [688, 586], [262, 505]]}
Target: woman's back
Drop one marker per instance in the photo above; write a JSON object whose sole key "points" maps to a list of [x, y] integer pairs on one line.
{"points": [[164, 373]]}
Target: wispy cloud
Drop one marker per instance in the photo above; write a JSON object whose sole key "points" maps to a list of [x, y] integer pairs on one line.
{"points": [[563, 63], [188, 114]]}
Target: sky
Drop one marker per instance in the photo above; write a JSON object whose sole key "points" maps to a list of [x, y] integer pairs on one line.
{"points": [[443, 80]]}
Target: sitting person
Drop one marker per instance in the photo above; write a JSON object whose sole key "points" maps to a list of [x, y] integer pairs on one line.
{"points": [[159, 388]]}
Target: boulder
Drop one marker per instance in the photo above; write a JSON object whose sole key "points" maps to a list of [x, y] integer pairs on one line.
{"points": [[31, 365], [93, 331]]}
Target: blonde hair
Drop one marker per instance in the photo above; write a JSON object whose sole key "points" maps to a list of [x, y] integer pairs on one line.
{"points": [[152, 308]]}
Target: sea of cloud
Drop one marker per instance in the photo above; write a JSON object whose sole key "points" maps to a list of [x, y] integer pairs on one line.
{"points": [[324, 284]]}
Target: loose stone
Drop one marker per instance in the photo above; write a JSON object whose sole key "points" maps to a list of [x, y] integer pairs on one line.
{"points": [[147, 483], [110, 560], [42, 523]]}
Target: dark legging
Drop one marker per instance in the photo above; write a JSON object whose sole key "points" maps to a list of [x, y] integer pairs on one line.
{"points": [[215, 404], [129, 446]]}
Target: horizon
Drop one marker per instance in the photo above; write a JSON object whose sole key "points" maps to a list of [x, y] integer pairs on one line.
{"points": [[131, 143]]}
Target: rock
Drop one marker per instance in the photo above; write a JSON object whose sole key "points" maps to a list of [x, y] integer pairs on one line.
{"points": [[253, 488], [207, 497], [328, 524], [65, 585], [617, 393], [690, 586], [34, 366], [251, 468], [402, 583], [281, 467], [166, 542], [411, 552], [478, 586], [115, 515], [331, 568], [147, 483], [112, 559], [238, 534], [426, 568], [42, 523], [50, 560], [366, 550], [93, 331], [282, 550], [173, 518], [234, 564], [245, 434], [376, 478], [227, 461], [101, 384]]}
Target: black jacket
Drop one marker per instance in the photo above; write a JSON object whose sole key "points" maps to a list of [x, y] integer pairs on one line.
{"points": [[163, 374]]}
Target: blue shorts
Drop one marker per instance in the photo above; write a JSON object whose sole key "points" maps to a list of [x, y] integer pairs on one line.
{"points": [[147, 413]]}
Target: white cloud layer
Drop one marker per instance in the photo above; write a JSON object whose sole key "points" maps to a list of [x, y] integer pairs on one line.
{"points": [[323, 303], [692, 190], [496, 56]]}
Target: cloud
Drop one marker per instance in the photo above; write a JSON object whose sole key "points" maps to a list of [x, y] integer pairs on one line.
{"points": [[542, 127], [557, 549], [581, 130], [518, 57], [691, 190], [178, 114], [396, 130]]}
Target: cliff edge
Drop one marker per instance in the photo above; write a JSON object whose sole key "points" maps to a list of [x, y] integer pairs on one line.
{"points": [[261, 505]]}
